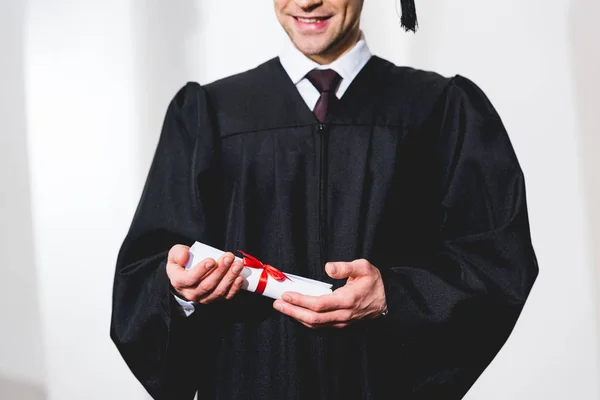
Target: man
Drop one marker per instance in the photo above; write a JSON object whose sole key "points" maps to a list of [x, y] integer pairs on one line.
{"points": [[398, 186]]}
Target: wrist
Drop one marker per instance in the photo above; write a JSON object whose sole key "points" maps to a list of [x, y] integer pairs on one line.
{"points": [[384, 312]]}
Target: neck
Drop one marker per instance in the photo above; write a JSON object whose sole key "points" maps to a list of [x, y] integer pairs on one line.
{"points": [[338, 50]]}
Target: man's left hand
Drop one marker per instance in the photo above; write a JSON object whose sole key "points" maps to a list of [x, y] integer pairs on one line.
{"points": [[362, 297]]}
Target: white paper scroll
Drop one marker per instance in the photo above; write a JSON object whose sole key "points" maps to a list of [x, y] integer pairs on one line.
{"points": [[274, 289]]}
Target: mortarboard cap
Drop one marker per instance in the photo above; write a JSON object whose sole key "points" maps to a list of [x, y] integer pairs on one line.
{"points": [[408, 20]]}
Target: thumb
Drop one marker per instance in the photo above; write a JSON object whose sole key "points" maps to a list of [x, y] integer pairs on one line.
{"points": [[338, 270], [179, 254], [341, 270]]}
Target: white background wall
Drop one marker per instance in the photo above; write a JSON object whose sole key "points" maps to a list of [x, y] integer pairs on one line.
{"points": [[21, 369], [83, 90]]}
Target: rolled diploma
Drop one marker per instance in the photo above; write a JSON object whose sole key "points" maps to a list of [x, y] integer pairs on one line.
{"points": [[274, 289]]}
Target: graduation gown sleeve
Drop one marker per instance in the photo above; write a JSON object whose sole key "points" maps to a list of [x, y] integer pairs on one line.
{"points": [[173, 209], [460, 303]]}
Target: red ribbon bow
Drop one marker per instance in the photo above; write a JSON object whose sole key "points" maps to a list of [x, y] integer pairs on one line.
{"points": [[252, 262]]}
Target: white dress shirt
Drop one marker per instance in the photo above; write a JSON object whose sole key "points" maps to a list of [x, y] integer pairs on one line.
{"points": [[297, 65]]}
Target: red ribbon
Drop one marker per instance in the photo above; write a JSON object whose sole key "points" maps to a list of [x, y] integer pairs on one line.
{"points": [[267, 270]]}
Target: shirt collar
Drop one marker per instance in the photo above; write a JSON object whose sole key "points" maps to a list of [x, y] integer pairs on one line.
{"points": [[297, 65]]}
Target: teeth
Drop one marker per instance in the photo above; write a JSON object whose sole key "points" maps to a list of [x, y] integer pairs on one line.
{"points": [[309, 20]]}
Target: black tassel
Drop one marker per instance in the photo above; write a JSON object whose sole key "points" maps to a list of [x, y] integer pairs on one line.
{"points": [[408, 20]]}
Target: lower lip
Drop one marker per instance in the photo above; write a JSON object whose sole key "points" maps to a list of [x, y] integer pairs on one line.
{"points": [[311, 26]]}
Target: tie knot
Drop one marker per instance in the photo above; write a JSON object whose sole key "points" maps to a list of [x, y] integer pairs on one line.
{"points": [[325, 80]]}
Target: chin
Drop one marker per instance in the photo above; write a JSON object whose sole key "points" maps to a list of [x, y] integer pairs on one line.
{"points": [[311, 47]]}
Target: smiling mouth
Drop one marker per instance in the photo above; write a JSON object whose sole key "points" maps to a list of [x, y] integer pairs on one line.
{"points": [[312, 20]]}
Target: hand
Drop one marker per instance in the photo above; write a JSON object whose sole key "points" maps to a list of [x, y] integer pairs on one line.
{"points": [[208, 281], [362, 297]]}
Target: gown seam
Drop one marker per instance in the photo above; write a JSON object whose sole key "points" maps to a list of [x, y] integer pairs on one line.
{"points": [[331, 124]]}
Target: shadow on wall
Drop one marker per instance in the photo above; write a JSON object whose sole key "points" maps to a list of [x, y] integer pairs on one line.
{"points": [[584, 40], [10, 389], [165, 34]]}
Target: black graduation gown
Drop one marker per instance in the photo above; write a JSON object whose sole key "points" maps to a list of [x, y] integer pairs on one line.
{"points": [[412, 171]]}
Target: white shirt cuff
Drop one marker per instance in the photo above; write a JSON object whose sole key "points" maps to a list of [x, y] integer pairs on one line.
{"points": [[188, 307]]}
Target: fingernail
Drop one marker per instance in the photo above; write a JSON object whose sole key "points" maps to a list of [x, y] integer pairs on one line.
{"points": [[209, 264], [228, 260], [287, 298], [236, 268], [278, 306], [332, 268]]}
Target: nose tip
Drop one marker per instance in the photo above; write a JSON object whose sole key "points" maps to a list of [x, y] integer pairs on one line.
{"points": [[308, 4]]}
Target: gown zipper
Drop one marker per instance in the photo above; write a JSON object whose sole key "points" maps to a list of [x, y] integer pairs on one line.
{"points": [[322, 131], [322, 134]]}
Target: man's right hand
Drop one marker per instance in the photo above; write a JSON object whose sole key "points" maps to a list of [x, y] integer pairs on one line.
{"points": [[208, 281]]}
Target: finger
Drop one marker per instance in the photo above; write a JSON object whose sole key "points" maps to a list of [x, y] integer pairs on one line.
{"points": [[309, 317], [179, 254], [208, 284], [333, 325], [237, 285], [200, 271], [330, 302], [181, 278], [341, 270], [224, 285]]}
